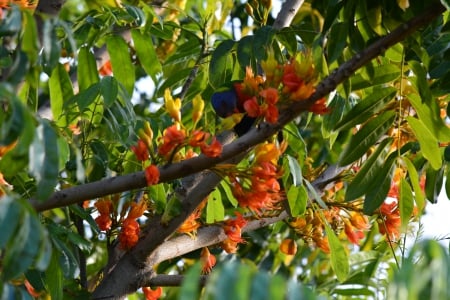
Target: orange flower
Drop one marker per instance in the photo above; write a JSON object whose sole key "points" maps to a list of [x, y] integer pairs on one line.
{"points": [[191, 224], [104, 207], [173, 137], [104, 222], [30, 289], [198, 138], [140, 150], [7, 148], [267, 152], [229, 246], [288, 247], [152, 294], [152, 175], [233, 228], [105, 69], [270, 95], [323, 244], [208, 260], [389, 221], [213, 150], [354, 235], [129, 234], [137, 209]]}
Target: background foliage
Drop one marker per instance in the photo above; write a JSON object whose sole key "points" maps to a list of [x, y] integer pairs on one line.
{"points": [[79, 88]]}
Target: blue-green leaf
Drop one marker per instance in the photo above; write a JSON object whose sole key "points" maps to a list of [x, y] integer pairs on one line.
{"points": [[221, 66]]}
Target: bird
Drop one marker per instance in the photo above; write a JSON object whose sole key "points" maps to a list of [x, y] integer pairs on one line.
{"points": [[230, 100]]}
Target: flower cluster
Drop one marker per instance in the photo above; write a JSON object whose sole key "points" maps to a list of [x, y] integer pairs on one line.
{"points": [[389, 222], [283, 84], [208, 260], [129, 233], [258, 189], [233, 230]]}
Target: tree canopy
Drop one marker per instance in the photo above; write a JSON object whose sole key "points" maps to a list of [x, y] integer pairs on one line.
{"points": [[222, 150]]}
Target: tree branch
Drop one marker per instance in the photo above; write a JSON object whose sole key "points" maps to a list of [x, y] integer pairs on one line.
{"points": [[287, 13]]}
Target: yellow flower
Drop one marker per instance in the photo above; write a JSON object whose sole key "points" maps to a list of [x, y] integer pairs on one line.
{"points": [[197, 109], [172, 106]]}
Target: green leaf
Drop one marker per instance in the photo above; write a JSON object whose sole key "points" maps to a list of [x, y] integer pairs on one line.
{"points": [[406, 203], [10, 213], [415, 183], [44, 160], [433, 184], [146, 53], [87, 69], [339, 258], [221, 65], [429, 145], [420, 80], [381, 74], [61, 90], [86, 98], [337, 41], [30, 39], [366, 137], [296, 170], [366, 108], [215, 211], [121, 63], [109, 89], [429, 114], [368, 172], [379, 188], [297, 198], [51, 45], [190, 288], [24, 247], [225, 186], [12, 128], [54, 277], [446, 3], [260, 287]]}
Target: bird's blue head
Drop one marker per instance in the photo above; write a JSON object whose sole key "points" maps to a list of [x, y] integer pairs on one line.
{"points": [[224, 103]]}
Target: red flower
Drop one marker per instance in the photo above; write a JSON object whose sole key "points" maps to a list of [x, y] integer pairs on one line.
{"points": [[140, 150], [270, 95], [319, 107], [252, 108], [152, 294], [354, 235], [152, 175], [104, 222], [213, 150], [198, 138], [271, 114], [173, 137], [288, 247], [389, 222], [129, 235], [290, 80], [106, 69]]}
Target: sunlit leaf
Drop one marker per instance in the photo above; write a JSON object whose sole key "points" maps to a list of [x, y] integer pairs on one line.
{"points": [[428, 143], [296, 170], [297, 197], [60, 91], [419, 196], [381, 74], [215, 211], [109, 90], [146, 53], [406, 202], [87, 69], [122, 66], [339, 257]]}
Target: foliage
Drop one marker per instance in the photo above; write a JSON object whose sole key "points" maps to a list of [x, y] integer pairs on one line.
{"points": [[114, 164]]}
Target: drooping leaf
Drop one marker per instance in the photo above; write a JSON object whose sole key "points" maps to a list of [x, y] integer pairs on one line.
{"points": [[420, 80], [339, 257], [10, 214], [13, 126], [419, 196], [366, 108], [44, 160], [337, 41], [405, 203], [87, 69], [220, 67], [122, 65], [109, 89], [368, 172], [229, 194], [366, 137], [297, 197], [215, 211], [379, 188], [146, 53], [55, 277], [61, 90], [433, 184], [296, 170], [429, 145]]}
